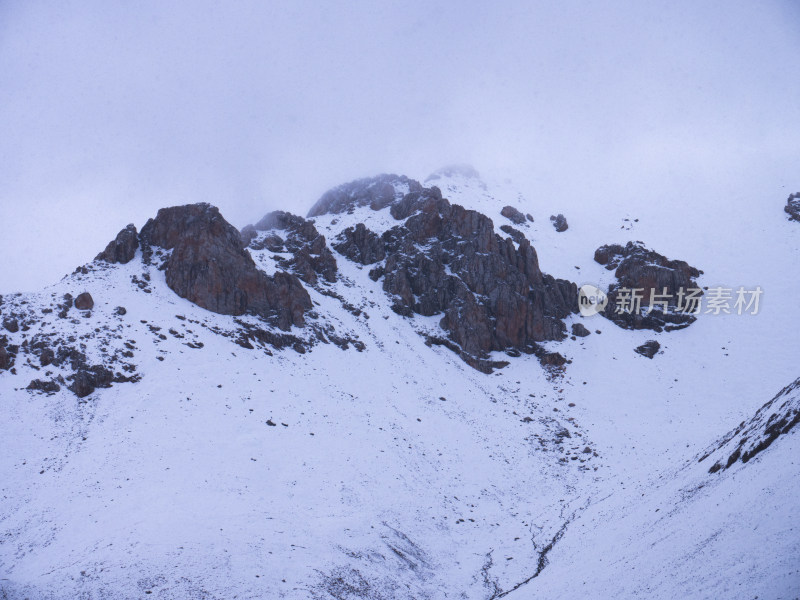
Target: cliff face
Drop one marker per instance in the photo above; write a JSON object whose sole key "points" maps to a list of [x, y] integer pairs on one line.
{"points": [[209, 266]]}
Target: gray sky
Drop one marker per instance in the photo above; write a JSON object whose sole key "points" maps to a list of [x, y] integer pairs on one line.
{"points": [[110, 110]]}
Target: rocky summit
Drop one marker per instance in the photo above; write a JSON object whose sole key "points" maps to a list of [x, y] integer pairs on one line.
{"points": [[444, 260]]}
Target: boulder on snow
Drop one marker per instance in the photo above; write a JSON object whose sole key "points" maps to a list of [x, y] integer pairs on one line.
{"points": [[559, 221], [84, 301], [579, 330], [649, 349], [513, 215]]}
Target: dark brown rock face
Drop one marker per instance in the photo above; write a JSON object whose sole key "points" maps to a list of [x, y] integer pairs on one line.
{"points": [[792, 207], [311, 256], [5, 359], [210, 267], [361, 245], [121, 249], [48, 386], [559, 221], [664, 284], [447, 260], [649, 349], [514, 234], [84, 301], [87, 380], [513, 215]]}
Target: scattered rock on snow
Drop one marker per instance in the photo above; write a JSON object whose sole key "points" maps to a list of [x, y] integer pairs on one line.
{"points": [[513, 215], [649, 349], [559, 221], [48, 386], [311, 255], [792, 207]]}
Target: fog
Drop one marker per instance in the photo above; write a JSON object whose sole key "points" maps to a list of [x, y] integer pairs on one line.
{"points": [[109, 111]]}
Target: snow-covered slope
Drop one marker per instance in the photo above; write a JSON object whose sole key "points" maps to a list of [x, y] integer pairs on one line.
{"points": [[387, 468]]}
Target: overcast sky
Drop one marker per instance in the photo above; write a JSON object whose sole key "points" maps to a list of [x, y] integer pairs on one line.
{"points": [[110, 110]]}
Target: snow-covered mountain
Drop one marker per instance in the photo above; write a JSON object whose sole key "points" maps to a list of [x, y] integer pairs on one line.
{"points": [[397, 397]]}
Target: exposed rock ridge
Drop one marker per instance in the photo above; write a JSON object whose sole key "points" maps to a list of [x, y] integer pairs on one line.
{"points": [[777, 417], [375, 192]]}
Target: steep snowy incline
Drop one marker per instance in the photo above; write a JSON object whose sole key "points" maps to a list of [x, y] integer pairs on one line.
{"points": [[692, 534]]}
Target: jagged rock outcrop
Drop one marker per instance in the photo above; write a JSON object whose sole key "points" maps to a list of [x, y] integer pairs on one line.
{"points": [[361, 245], [513, 215], [514, 234], [121, 249], [792, 207], [667, 288], [559, 221], [649, 349], [375, 192], [210, 267], [84, 301], [447, 260], [311, 256], [776, 418]]}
